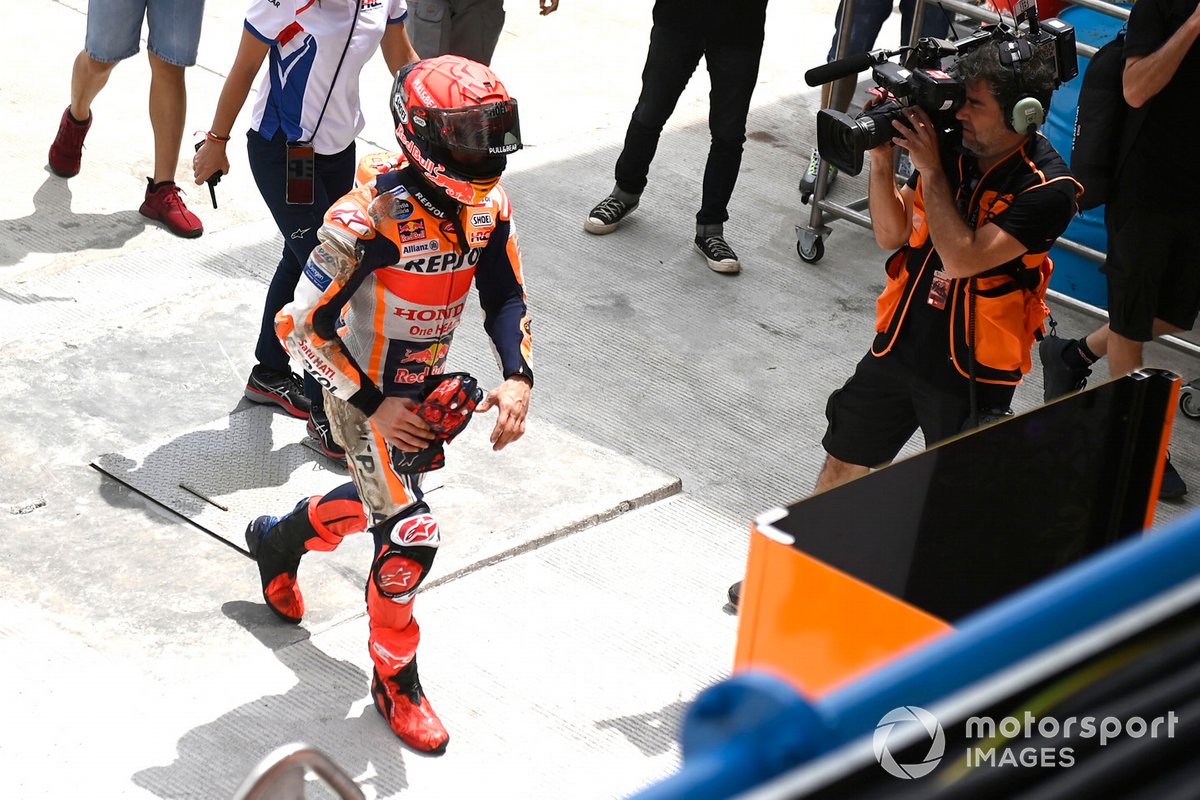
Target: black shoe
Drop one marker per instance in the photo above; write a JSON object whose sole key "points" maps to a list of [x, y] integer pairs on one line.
{"points": [[735, 594], [1173, 486], [281, 387], [718, 254], [1058, 377], [322, 433], [607, 215]]}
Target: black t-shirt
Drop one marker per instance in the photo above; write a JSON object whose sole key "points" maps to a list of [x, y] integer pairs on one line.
{"points": [[1036, 218], [1162, 168], [741, 23]]}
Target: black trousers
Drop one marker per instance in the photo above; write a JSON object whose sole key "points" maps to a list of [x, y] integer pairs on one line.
{"points": [[670, 62], [298, 225]]}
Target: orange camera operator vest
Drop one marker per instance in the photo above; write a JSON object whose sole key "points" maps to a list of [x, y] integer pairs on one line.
{"points": [[1008, 301]]}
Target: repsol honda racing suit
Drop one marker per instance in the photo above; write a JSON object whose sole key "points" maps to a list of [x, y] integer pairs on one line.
{"points": [[373, 317]]}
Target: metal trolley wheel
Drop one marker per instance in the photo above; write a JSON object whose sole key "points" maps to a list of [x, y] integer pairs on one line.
{"points": [[813, 256], [810, 243], [1189, 401]]}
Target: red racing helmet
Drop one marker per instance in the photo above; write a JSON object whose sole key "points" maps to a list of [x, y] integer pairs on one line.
{"points": [[456, 124]]}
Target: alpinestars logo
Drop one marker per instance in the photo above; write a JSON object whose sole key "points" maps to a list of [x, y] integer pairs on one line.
{"points": [[419, 530], [897, 726]]}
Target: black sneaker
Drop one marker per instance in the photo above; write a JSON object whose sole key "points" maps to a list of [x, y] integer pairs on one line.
{"points": [[1172, 487], [1058, 377], [607, 215], [735, 594], [281, 387], [322, 433], [718, 254]]}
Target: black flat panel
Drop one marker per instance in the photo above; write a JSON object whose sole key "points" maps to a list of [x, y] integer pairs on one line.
{"points": [[963, 524]]}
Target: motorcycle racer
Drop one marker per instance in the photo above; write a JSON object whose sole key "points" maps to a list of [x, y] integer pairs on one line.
{"points": [[373, 319]]}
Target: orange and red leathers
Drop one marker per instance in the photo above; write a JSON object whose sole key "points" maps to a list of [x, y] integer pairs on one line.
{"points": [[395, 264], [405, 548], [373, 317]]}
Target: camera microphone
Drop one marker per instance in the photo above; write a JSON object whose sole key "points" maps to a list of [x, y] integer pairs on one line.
{"points": [[850, 65]]}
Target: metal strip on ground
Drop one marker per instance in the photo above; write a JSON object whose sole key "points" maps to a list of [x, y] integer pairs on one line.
{"points": [[490, 505]]}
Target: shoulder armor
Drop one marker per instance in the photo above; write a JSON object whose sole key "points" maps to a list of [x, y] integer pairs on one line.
{"points": [[351, 214]]}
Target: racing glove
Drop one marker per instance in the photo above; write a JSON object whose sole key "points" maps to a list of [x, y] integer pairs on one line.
{"points": [[447, 403]]}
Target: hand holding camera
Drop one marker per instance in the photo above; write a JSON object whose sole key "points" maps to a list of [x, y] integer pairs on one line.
{"points": [[916, 132], [926, 81]]}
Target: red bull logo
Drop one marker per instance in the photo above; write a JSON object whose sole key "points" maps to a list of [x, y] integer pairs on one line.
{"points": [[411, 229], [430, 356]]}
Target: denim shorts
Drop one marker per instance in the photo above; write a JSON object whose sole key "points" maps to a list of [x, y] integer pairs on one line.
{"points": [[114, 29]]}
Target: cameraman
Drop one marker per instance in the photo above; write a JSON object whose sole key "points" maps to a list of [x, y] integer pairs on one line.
{"points": [[963, 298]]}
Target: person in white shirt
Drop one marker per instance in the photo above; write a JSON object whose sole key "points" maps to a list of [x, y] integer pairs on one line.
{"points": [[301, 148]]}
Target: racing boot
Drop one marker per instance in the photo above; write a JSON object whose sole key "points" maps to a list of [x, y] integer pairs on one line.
{"points": [[406, 546], [277, 544], [402, 702]]}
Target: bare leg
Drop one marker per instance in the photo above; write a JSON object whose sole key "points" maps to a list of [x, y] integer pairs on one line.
{"points": [[88, 77], [168, 106], [1097, 341], [836, 472], [1125, 355]]}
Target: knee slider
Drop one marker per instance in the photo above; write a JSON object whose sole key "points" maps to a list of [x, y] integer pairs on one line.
{"points": [[396, 577], [405, 554]]}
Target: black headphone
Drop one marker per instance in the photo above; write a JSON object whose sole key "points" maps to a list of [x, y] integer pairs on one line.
{"points": [[1023, 113]]}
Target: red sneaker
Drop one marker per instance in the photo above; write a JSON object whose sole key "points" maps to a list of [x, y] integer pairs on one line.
{"points": [[404, 705], [67, 150], [165, 205]]}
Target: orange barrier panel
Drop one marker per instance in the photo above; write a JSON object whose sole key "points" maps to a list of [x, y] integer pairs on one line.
{"points": [[816, 626]]}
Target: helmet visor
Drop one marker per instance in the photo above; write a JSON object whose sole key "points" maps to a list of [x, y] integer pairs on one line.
{"points": [[487, 130]]}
